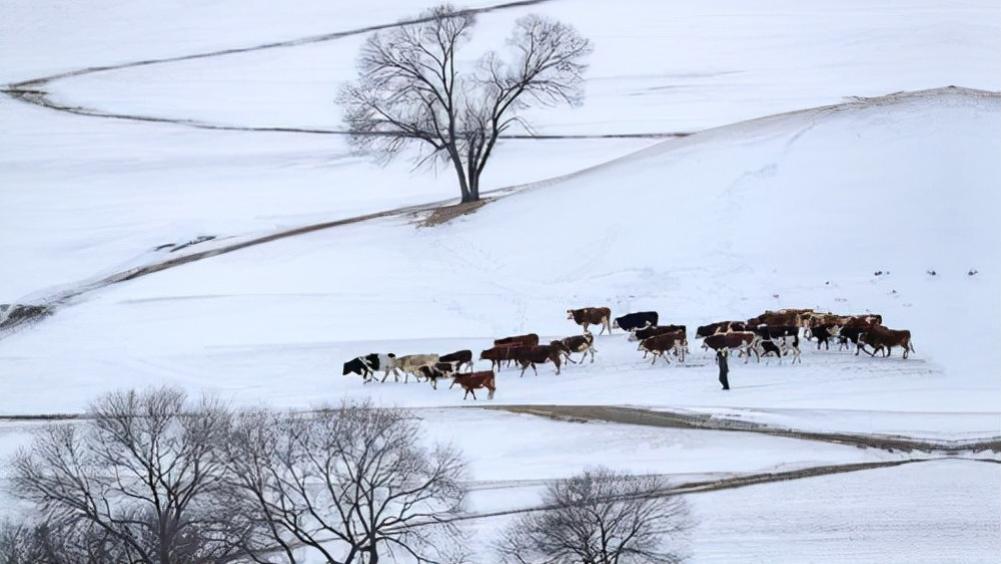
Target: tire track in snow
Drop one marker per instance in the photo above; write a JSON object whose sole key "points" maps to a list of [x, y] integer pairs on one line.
{"points": [[32, 91], [699, 421]]}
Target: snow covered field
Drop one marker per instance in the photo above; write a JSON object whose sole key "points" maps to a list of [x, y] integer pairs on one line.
{"points": [[792, 194]]}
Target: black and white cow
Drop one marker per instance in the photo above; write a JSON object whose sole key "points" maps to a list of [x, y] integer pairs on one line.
{"points": [[775, 331], [637, 320], [366, 366]]}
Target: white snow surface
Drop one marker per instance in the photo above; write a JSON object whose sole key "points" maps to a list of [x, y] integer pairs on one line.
{"points": [[938, 511]]}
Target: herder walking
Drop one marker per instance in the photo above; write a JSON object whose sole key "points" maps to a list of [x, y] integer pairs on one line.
{"points": [[723, 368]]}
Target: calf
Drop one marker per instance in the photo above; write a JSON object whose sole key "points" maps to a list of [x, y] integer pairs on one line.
{"points": [[638, 320], [740, 341], [882, 338], [433, 372], [459, 358], [530, 356], [412, 363], [474, 381], [647, 332], [588, 316], [583, 344], [767, 347], [529, 340], [666, 342]]}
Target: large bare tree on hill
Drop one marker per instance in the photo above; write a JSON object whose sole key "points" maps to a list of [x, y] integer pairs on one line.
{"points": [[412, 89]]}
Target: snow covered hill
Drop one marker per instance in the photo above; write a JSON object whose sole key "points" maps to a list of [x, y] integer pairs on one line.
{"points": [[795, 210]]}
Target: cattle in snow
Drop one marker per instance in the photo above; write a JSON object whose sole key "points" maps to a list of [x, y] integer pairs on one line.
{"points": [[530, 356], [883, 339], [647, 332], [583, 344], [851, 335], [459, 359], [720, 327], [637, 320], [823, 334], [366, 366], [437, 371], [412, 363], [529, 340], [585, 317], [501, 353], [768, 347], [658, 345], [740, 341], [764, 347], [775, 331], [472, 381], [782, 317]]}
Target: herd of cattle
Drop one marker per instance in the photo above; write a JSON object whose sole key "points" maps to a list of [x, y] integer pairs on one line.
{"points": [[773, 333]]}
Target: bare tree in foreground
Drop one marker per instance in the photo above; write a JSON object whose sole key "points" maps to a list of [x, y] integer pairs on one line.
{"points": [[598, 517], [410, 89], [129, 485], [351, 485]]}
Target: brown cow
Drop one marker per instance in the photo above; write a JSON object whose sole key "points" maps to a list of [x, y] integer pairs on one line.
{"points": [[588, 316], [882, 338], [476, 380], [530, 356], [720, 327], [864, 320], [663, 343], [740, 341], [529, 340], [580, 344], [501, 353], [780, 317]]}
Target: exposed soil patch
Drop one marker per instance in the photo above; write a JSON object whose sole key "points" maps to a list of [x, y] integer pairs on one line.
{"points": [[16, 315], [445, 214]]}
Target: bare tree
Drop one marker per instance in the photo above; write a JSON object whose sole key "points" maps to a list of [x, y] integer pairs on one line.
{"points": [[350, 485], [599, 517], [411, 89], [132, 483]]}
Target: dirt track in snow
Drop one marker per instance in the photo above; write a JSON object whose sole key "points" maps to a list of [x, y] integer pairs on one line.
{"points": [[33, 91]]}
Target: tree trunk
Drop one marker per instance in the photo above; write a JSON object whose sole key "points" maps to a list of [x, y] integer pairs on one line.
{"points": [[461, 174], [474, 187]]}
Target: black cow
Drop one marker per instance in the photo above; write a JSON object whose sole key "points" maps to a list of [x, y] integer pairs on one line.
{"points": [[459, 358], [637, 320], [823, 333], [850, 334]]}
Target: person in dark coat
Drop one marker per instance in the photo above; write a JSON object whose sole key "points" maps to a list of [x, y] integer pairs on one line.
{"points": [[723, 368]]}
